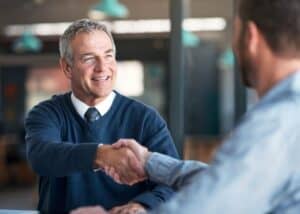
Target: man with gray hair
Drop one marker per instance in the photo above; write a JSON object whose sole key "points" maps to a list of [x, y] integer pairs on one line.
{"points": [[69, 136]]}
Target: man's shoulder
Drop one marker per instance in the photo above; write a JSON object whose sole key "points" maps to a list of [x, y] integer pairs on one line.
{"points": [[54, 103], [137, 110], [135, 104], [279, 107], [269, 117]]}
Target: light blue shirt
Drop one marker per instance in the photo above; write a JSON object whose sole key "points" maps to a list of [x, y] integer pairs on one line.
{"points": [[256, 170]]}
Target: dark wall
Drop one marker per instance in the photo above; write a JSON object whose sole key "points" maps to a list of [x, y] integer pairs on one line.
{"points": [[12, 93], [202, 90]]}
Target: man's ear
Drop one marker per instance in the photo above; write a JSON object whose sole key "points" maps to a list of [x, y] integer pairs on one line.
{"points": [[253, 37], [65, 67]]}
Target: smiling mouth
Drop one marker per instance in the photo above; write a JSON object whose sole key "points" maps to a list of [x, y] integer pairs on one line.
{"points": [[102, 78]]}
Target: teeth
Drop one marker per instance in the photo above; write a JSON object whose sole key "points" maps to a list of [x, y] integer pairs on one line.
{"points": [[101, 78]]}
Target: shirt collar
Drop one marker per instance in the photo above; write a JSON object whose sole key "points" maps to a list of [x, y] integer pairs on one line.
{"points": [[103, 107], [291, 84]]}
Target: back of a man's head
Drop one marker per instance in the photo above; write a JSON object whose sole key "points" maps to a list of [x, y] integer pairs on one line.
{"points": [[278, 20]]}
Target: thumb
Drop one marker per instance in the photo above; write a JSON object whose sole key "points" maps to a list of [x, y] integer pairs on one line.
{"points": [[133, 147], [119, 144]]}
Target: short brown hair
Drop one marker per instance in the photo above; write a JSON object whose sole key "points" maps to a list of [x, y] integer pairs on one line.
{"points": [[278, 20]]}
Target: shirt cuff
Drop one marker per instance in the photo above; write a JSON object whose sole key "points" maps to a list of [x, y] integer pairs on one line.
{"points": [[158, 167]]}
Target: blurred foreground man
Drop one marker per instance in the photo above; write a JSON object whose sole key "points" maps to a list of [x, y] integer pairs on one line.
{"points": [[257, 168], [69, 135]]}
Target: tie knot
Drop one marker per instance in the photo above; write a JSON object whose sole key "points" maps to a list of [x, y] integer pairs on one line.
{"points": [[92, 114]]}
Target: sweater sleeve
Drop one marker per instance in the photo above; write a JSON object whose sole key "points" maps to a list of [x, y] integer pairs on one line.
{"points": [[47, 153], [157, 138]]}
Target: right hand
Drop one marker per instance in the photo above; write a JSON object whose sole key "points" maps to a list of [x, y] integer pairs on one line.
{"points": [[119, 162], [141, 153]]}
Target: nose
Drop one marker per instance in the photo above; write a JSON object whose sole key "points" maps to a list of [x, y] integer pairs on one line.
{"points": [[100, 65]]}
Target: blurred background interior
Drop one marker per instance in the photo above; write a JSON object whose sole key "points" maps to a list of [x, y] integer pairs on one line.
{"points": [[172, 54]]}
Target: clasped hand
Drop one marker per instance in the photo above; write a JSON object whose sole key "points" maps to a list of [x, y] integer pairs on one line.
{"points": [[124, 161]]}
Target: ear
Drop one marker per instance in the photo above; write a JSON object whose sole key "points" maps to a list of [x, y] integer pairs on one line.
{"points": [[65, 67], [253, 37]]}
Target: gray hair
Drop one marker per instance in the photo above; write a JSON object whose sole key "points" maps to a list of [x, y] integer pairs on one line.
{"points": [[79, 26]]}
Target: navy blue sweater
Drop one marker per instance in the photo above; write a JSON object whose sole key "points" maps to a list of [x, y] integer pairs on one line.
{"points": [[61, 148]]}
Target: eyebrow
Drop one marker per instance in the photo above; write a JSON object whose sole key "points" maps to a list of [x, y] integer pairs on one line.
{"points": [[91, 53], [86, 54], [109, 51]]}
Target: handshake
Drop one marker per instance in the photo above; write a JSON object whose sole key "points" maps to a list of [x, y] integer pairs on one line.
{"points": [[124, 161]]}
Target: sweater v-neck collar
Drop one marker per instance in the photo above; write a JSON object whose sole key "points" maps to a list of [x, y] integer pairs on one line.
{"points": [[110, 111], [102, 107]]}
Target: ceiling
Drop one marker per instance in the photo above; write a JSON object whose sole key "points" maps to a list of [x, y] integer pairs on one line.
{"points": [[51, 11], [37, 11]]}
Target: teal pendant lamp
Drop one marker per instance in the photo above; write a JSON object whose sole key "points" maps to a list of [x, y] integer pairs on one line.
{"points": [[190, 39], [27, 43], [110, 8], [227, 58]]}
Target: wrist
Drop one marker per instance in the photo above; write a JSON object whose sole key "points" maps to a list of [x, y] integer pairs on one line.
{"points": [[100, 155], [146, 156]]}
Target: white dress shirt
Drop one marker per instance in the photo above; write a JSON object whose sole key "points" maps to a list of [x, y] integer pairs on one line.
{"points": [[103, 107]]}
